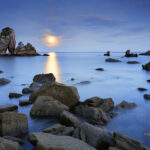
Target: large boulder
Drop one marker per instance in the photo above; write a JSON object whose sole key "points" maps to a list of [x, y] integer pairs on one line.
{"points": [[6, 144], [7, 41], [46, 141], [47, 106], [67, 95], [146, 66], [25, 50], [12, 123], [42, 78], [97, 137]]}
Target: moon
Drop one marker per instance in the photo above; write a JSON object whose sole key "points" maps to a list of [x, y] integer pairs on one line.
{"points": [[51, 40]]}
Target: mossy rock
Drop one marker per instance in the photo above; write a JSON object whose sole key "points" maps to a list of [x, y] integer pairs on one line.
{"points": [[5, 31]]}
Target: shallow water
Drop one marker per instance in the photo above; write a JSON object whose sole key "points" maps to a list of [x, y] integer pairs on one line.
{"points": [[118, 80]]}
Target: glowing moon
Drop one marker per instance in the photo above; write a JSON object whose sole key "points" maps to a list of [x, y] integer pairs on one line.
{"points": [[51, 40]]}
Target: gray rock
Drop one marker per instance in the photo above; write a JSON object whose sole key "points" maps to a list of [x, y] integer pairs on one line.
{"points": [[9, 145], [14, 139], [147, 96], [14, 95], [8, 107], [68, 95], [125, 105], [69, 119], [146, 66], [97, 137], [13, 124], [133, 62], [46, 141], [4, 81], [27, 90], [24, 102], [112, 60], [42, 78], [47, 106]]}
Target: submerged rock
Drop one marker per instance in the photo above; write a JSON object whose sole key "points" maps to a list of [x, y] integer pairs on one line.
{"points": [[142, 89], [13, 124], [14, 95], [133, 62], [107, 53], [112, 60], [42, 78], [68, 95], [147, 96], [8, 107], [46, 141], [46, 106], [146, 66], [128, 54], [100, 69], [125, 105], [4, 81]]}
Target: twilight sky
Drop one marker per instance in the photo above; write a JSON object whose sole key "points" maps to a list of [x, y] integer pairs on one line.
{"points": [[81, 25]]}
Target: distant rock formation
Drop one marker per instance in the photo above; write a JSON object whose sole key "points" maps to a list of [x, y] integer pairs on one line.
{"points": [[128, 54], [25, 50], [7, 41]]}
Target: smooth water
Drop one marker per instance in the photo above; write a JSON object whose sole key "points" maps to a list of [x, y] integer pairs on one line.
{"points": [[118, 81]]}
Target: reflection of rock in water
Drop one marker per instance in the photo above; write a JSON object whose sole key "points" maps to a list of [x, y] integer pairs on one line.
{"points": [[52, 66]]}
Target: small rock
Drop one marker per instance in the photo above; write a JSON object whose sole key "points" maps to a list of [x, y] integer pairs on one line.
{"points": [[1, 71], [34, 85], [14, 95], [42, 78], [72, 79], [100, 69], [125, 105], [142, 89], [4, 81], [146, 53], [8, 107], [147, 96], [107, 53], [27, 90], [84, 82], [128, 54], [148, 81], [45, 54], [14, 139], [112, 60], [24, 102], [133, 62], [146, 66]]}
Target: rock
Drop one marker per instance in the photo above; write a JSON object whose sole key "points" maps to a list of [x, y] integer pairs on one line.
{"points": [[94, 101], [14, 139], [142, 89], [112, 60], [128, 54], [8, 107], [42, 78], [146, 53], [4, 81], [114, 148], [46, 141], [25, 50], [47, 106], [133, 62], [1, 71], [147, 96], [68, 119], [13, 124], [98, 137], [27, 90], [107, 53], [9, 145], [45, 54], [7, 41], [100, 69], [14, 95], [84, 82], [68, 95], [24, 102], [146, 66], [72, 79], [125, 105], [34, 86], [68, 131], [126, 143], [148, 81]]}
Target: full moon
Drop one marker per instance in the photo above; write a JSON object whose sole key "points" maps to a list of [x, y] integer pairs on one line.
{"points": [[51, 40]]}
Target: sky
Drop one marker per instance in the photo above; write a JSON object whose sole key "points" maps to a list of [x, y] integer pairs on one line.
{"points": [[81, 25]]}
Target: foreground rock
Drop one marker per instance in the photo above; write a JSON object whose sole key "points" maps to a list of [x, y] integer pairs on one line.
{"points": [[46, 106], [147, 96], [68, 95], [46, 141], [4, 81], [14, 139], [6, 144], [125, 105], [25, 50], [100, 138], [142, 89], [112, 60], [146, 66], [14, 95], [146, 53], [42, 78], [7, 41], [8, 107], [13, 124], [107, 53], [100, 69], [27, 90], [24, 102], [128, 54], [132, 62]]}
